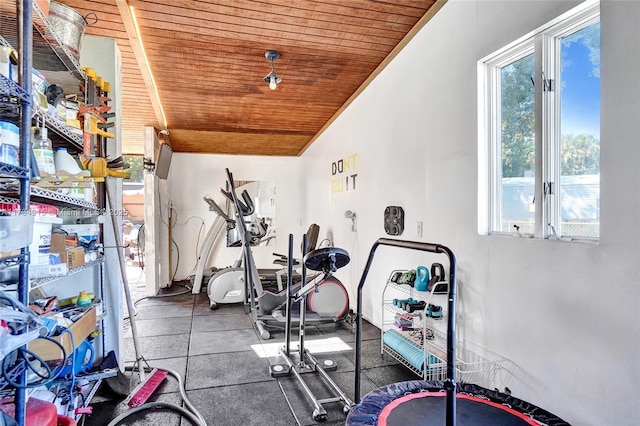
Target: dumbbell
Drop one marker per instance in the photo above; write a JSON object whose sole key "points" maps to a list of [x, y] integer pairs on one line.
{"points": [[400, 302], [407, 277], [434, 311], [414, 306]]}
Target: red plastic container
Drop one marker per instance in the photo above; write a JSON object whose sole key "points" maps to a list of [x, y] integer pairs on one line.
{"points": [[40, 413], [37, 209]]}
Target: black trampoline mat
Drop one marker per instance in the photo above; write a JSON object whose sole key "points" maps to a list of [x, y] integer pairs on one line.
{"points": [[426, 409]]}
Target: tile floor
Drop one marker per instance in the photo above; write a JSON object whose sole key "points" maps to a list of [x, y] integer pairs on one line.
{"points": [[217, 355]]}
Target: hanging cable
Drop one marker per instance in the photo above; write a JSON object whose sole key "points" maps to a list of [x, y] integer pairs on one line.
{"points": [[157, 296], [191, 413], [71, 407], [28, 357]]}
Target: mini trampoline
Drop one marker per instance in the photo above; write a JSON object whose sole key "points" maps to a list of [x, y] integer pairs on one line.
{"points": [[436, 403], [420, 402]]}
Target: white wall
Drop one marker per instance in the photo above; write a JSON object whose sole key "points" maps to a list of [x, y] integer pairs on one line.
{"points": [[567, 314], [157, 192], [194, 176]]}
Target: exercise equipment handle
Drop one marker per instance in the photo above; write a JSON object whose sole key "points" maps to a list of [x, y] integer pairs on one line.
{"points": [[227, 194], [247, 208], [450, 383], [231, 195], [213, 205]]}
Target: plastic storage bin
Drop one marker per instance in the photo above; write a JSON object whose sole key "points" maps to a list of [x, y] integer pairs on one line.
{"points": [[9, 63], [16, 232], [42, 219], [9, 143]]}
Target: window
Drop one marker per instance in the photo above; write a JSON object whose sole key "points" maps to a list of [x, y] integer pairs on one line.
{"points": [[136, 169], [540, 131]]}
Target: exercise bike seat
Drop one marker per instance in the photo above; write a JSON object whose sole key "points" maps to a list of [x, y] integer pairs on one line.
{"points": [[283, 260], [327, 259], [312, 240]]}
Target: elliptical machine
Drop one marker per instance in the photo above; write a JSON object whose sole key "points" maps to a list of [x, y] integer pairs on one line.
{"points": [[221, 222], [328, 303], [225, 285]]}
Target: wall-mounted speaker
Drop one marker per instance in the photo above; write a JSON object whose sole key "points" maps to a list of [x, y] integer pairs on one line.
{"points": [[394, 220]]}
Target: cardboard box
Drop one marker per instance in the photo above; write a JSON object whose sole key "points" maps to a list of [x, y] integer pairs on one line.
{"points": [[68, 250], [58, 244], [75, 257], [80, 330]]}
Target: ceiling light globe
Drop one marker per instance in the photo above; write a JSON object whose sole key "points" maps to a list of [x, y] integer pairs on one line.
{"points": [[273, 85]]}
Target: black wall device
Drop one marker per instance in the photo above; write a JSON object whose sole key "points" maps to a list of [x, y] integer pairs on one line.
{"points": [[394, 220]]}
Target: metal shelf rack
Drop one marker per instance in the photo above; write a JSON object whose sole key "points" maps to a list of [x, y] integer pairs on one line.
{"points": [[433, 352], [22, 108], [49, 53], [41, 49], [474, 364], [37, 283], [45, 196], [10, 89], [65, 132], [11, 171]]}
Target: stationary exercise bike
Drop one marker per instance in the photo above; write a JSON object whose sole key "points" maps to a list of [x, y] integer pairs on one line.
{"points": [[329, 302], [297, 362]]}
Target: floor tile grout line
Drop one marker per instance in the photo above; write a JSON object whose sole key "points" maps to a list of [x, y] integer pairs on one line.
{"points": [[188, 362], [293, 412], [186, 369]]}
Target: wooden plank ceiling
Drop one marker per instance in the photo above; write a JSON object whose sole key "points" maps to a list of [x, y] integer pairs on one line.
{"points": [[208, 61]]}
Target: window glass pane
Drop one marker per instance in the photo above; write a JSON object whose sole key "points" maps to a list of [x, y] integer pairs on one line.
{"points": [[136, 169], [517, 146], [580, 133]]}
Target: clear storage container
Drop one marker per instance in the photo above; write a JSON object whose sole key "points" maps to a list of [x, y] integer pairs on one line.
{"points": [[16, 232]]}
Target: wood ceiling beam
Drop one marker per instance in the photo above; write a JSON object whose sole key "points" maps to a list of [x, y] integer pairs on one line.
{"points": [[145, 69]]}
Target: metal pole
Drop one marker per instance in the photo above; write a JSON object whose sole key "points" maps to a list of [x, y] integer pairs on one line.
{"points": [[125, 282], [358, 366], [319, 413], [318, 368], [303, 303], [25, 42], [450, 384], [287, 328]]}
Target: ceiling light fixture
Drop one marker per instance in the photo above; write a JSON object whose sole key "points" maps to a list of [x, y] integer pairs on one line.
{"points": [[272, 78]]}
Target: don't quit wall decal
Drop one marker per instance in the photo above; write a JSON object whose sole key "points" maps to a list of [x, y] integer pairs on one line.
{"points": [[343, 173]]}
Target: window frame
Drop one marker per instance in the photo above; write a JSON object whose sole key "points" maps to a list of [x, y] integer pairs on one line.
{"points": [[544, 43]]}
